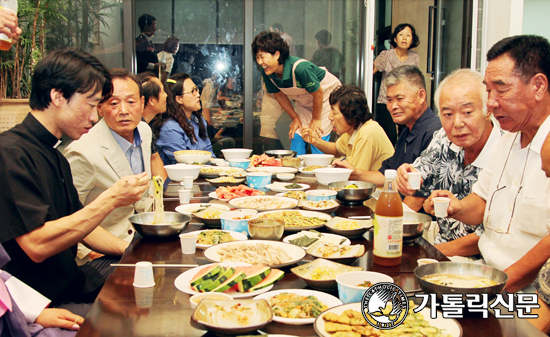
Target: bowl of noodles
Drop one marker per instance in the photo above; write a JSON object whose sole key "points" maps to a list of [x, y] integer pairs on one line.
{"points": [[145, 225]]}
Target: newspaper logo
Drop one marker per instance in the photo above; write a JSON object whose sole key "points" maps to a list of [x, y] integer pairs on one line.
{"points": [[385, 306]]}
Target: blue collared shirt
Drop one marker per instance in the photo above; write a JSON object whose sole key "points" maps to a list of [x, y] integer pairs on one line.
{"points": [[132, 151]]}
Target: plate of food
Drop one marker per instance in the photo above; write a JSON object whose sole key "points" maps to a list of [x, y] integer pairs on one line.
{"points": [[308, 170], [264, 203], [299, 195], [330, 322], [215, 171], [274, 254], [327, 206], [306, 239], [210, 237], [225, 181], [350, 228], [345, 254], [232, 192], [297, 220], [273, 169], [285, 187], [298, 306], [191, 209], [208, 277]]}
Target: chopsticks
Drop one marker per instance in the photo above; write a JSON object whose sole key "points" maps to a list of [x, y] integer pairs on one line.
{"points": [[156, 265], [343, 158]]}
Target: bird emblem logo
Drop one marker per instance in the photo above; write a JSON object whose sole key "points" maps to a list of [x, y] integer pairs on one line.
{"points": [[385, 306]]}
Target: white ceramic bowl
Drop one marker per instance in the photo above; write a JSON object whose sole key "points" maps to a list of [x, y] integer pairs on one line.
{"points": [[236, 153], [192, 156], [319, 195], [178, 171], [317, 159], [331, 174], [285, 176], [195, 299], [348, 290]]}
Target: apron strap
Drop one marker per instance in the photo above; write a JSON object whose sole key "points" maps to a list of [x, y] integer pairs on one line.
{"points": [[293, 69]]}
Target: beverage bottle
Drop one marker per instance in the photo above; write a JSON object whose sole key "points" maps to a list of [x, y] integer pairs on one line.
{"points": [[5, 42], [388, 224]]}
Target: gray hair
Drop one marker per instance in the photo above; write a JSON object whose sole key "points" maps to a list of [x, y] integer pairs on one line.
{"points": [[410, 74], [460, 75]]}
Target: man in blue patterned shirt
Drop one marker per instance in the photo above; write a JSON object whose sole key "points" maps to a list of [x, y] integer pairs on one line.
{"points": [[455, 156]]}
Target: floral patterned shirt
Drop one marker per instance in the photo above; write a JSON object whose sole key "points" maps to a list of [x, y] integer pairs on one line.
{"points": [[442, 168]]}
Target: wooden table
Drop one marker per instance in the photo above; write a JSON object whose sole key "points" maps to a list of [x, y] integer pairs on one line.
{"points": [[115, 312]]}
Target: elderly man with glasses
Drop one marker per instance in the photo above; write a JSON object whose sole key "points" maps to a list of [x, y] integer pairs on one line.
{"points": [[511, 195]]}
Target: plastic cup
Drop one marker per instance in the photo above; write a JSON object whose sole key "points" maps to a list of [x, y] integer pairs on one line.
{"points": [[188, 183], [144, 297], [188, 243], [185, 196], [422, 262], [414, 180], [440, 206], [143, 277]]}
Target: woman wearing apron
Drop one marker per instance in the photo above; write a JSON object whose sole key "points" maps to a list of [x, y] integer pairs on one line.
{"points": [[289, 77]]}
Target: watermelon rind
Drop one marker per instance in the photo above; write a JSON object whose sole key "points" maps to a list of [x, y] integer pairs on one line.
{"points": [[234, 279], [206, 273], [223, 277], [273, 277], [254, 278]]}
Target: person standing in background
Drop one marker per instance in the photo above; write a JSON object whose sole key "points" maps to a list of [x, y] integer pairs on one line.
{"points": [[170, 48], [327, 56], [402, 40], [278, 28], [145, 49]]}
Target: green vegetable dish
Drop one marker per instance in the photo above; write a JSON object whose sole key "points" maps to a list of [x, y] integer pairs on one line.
{"points": [[289, 305], [293, 186], [295, 219]]}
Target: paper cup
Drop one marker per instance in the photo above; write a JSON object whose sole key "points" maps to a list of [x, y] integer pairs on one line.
{"points": [[188, 183], [422, 262], [440, 206], [185, 196], [188, 243], [143, 277], [414, 180], [144, 297]]}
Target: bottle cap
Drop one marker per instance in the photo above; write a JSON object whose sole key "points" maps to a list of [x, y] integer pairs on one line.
{"points": [[390, 174]]}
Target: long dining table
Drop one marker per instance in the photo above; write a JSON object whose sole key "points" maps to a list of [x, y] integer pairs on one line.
{"points": [[119, 310]]}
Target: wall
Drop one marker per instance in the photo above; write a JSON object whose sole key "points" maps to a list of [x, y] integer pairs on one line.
{"points": [[535, 13], [109, 47]]}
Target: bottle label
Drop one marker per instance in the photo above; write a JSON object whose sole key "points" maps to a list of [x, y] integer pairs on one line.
{"points": [[388, 236]]}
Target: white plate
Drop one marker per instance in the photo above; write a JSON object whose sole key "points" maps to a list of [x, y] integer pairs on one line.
{"points": [[308, 173], [451, 326], [280, 187], [294, 252], [308, 214], [182, 281], [282, 194], [308, 204], [236, 235], [273, 169], [287, 239], [264, 202], [328, 300], [190, 208], [217, 170]]}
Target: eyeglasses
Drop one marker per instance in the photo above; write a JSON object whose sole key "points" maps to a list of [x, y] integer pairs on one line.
{"points": [[193, 91], [486, 221]]}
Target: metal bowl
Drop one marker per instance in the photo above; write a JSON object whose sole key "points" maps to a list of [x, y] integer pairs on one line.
{"points": [[414, 225], [362, 193], [474, 269], [281, 153], [175, 223]]}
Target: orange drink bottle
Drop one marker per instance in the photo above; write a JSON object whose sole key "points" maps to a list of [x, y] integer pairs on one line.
{"points": [[388, 224], [5, 42]]}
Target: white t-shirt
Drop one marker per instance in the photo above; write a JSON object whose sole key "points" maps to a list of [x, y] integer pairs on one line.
{"points": [[514, 167]]}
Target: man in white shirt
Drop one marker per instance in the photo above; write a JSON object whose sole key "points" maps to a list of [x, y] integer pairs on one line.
{"points": [[512, 193]]}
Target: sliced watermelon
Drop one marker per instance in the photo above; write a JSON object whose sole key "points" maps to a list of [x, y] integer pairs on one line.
{"points": [[233, 280], [221, 279], [254, 275], [273, 277], [205, 273]]}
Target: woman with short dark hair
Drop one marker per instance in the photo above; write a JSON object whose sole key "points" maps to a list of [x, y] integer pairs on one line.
{"points": [[289, 77], [403, 39], [362, 140]]}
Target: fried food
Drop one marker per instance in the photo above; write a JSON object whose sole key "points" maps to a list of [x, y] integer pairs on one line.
{"points": [[349, 323]]}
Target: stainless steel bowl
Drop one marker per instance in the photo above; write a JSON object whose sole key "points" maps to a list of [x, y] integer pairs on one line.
{"points": [[414, 225], [175, 223], [474, 269], [362, 193], [281, 153]]}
